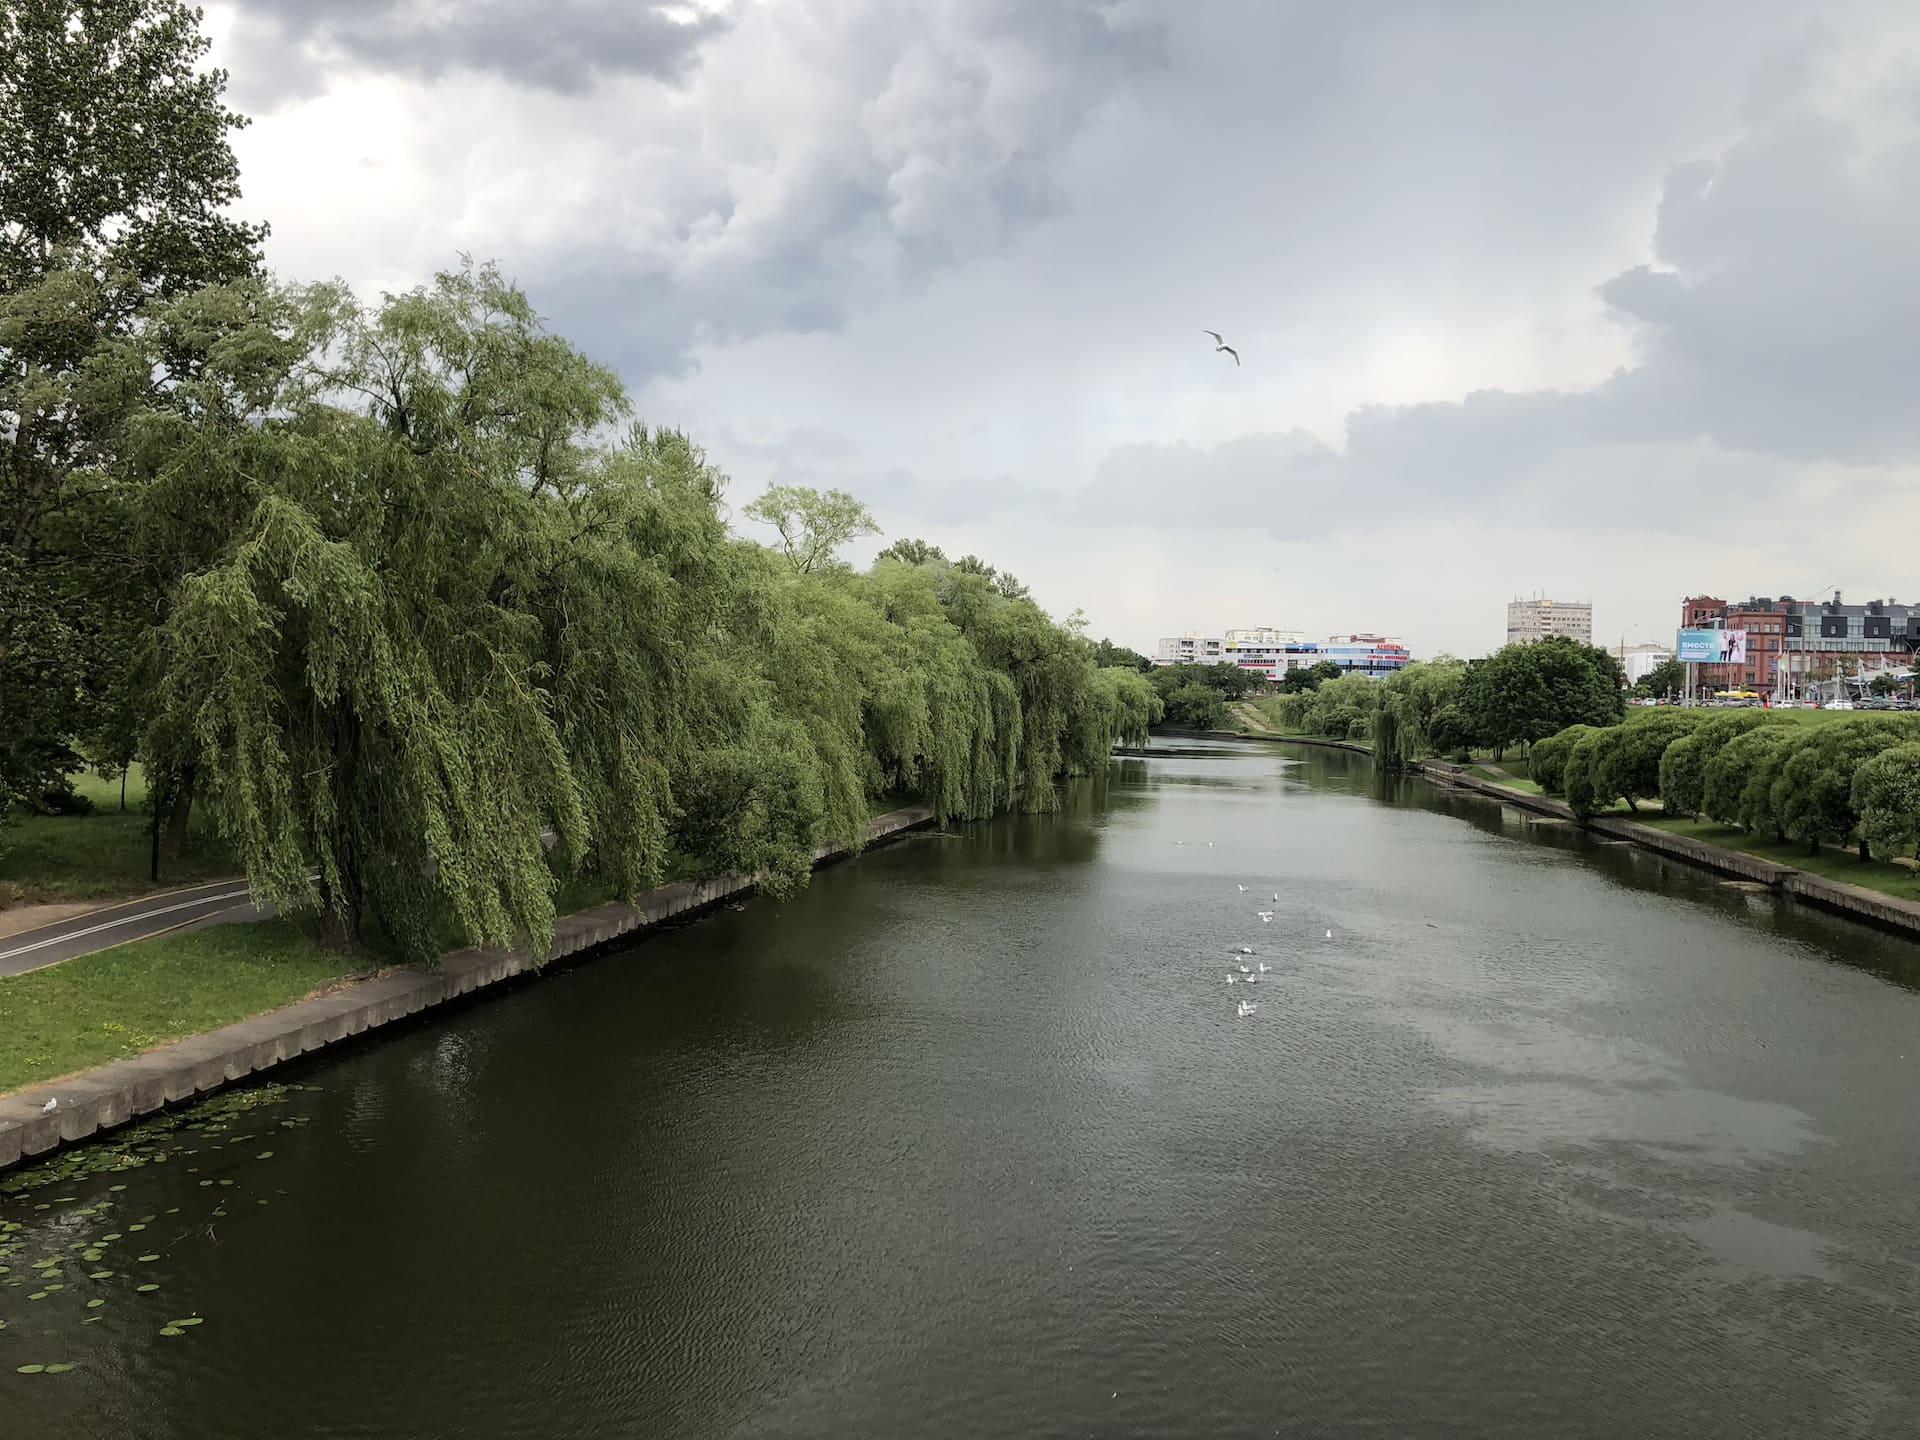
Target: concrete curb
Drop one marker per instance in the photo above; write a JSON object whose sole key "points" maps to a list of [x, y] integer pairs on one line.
{"points": [[112, 1094], [1870, 907]]}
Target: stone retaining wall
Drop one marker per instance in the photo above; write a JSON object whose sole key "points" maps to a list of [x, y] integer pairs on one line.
{"points": [[113, 1094]]}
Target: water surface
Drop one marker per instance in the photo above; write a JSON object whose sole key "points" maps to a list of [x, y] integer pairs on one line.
{"points": [[1548, 1138]]}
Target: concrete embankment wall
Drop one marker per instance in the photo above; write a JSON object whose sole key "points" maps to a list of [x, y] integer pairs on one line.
{"points": [[113, 1094]]}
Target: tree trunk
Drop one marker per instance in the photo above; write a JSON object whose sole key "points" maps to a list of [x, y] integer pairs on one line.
{"points": [[340, 910], [1865, 854], [154, 798], [123, 789], [178, 814]]}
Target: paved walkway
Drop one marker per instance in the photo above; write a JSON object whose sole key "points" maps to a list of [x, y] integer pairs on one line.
{"points": [[111, 925], [1253, 718]]}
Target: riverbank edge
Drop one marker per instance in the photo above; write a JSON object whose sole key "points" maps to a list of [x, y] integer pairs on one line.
{"points": [[108, 1096], [1870, 907], [1854, 902]]}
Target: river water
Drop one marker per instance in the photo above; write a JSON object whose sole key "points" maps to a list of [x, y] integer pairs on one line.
{"points": [[1547, 1139]]}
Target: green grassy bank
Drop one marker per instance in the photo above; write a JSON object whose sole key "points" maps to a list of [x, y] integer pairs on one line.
{"points": [[104, 855], [122, 1001]]}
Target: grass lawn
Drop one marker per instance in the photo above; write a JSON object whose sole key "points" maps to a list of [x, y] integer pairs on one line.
{"points": [[125, 1000], [1829, 864], [102, 855], [1510, 773]]}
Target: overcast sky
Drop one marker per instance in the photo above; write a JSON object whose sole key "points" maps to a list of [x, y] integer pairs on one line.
{"points": [[1615, 300]]}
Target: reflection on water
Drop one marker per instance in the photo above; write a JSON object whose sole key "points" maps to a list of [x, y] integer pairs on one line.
{"points": [[968, 1139]]}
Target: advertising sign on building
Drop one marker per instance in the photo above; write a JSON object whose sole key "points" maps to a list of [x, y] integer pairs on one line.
{"points": [[1712, 647]]}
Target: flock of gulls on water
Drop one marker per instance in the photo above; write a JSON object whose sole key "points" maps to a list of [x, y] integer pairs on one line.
{"points": [[1243, 973]]}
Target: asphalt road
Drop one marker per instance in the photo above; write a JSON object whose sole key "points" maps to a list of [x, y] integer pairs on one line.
{"points": [[116, 924]]}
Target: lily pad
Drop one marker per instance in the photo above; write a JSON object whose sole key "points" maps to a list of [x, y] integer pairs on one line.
{"points": [[58, 1369], [264, 1155], [101, 1275], [28, 1369], [95, 1304], [132, 1228], [146, 1289], [38, 1295], [171, 1330], [148, 1259], [191, 1320]]}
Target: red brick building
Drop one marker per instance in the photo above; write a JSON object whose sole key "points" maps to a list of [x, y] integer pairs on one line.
{"points": [[1791, 643]]}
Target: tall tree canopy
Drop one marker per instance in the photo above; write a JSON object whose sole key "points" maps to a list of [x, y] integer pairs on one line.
{"points": [[116, 172], [813, 525]]}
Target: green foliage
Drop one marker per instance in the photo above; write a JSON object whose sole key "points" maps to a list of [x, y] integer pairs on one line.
{"points": [[1669, 677], [1107, 654], [1811, 794], [1576, 773], [116, 177], [912, 552], [1308, 677], [813, 524], [1194, 707], [1886, 797], [1229, 681], [1624, 763], [1547, 759], [1683, 767], [1527, 692], [1416, 713]]}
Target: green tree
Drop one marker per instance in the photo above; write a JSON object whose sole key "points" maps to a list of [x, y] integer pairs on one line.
{"points": [[116, 179], [1526, 692], [1576, 775], [1194, 707], [913, 552], [440, 624], [1886, 796], [1738, 776], [1308, 677], [1107, 654], [813, 524], [1547, 760], [1811, 796], [1683, 766], [1416, 715], [1625, 760]]}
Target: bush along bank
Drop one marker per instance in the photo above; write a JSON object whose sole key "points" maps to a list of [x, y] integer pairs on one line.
{"points": [[1852, 783]]}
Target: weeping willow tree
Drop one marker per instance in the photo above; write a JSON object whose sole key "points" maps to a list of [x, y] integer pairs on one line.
{"points": [[443, 624], [433, 630]]}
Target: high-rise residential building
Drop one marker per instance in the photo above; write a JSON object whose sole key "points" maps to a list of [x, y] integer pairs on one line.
{"points": [[1793, 643], [1536, 619]]}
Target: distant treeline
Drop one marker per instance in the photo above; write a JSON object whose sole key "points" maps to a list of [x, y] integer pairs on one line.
{"points": [[1519, 695]]}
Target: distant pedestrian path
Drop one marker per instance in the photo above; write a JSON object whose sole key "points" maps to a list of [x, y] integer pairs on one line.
{"points": [[109, 925]]}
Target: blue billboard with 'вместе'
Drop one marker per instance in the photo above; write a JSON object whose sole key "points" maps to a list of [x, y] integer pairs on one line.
{"points": [[1711, 647]]}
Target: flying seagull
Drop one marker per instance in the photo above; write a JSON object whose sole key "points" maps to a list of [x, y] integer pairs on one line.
{"points": [[1219, 344]]}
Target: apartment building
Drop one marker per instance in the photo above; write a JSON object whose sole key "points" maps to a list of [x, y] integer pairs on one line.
{"points": [[1536, 619]]}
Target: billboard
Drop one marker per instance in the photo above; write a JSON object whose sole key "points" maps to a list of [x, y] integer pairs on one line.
{"points": [[1712, 647]]}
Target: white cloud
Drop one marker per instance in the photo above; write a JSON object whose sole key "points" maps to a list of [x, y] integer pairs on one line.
{"points": [[1606, 299]]}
